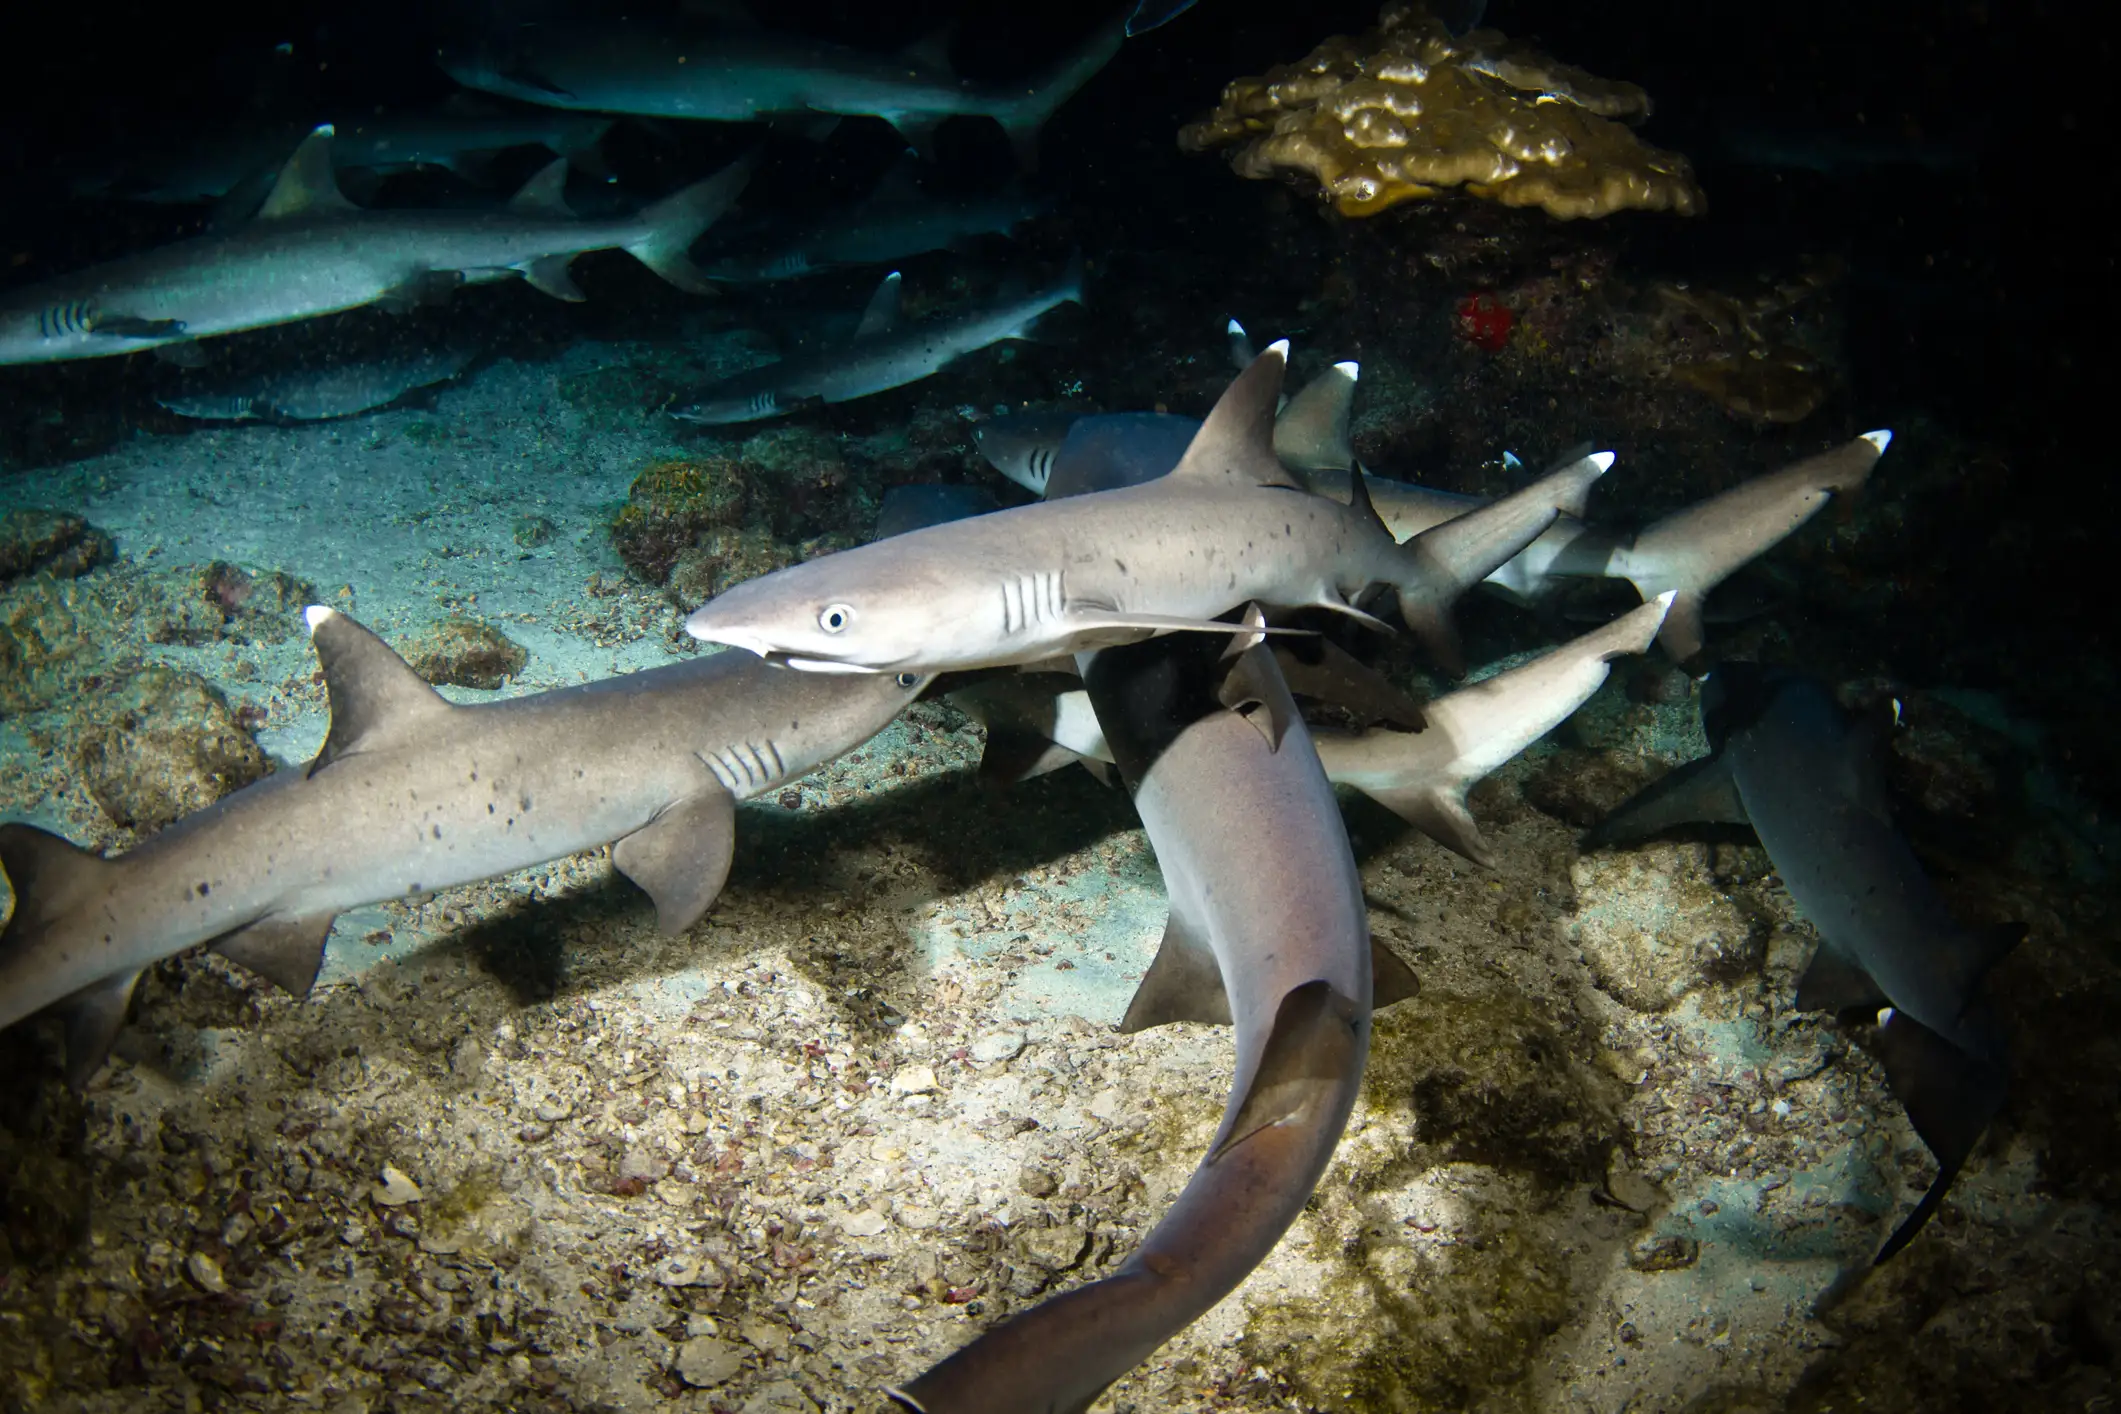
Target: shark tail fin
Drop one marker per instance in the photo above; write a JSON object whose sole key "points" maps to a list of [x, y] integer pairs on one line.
{"points": [[1442, 563], [1949, 1095], [1023, 118], [53, 879], [678, 220], [1312, 432]]}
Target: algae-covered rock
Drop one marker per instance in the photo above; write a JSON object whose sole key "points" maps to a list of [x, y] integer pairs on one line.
{"points": [[161, 746], [51, 635], [464, 652], [234, 603], [56, 542], [1653, 925], [674, 504], [1492, 1077]]}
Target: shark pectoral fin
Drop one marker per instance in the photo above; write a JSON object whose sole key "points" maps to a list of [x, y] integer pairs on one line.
{"points": [[1015, 753], [287, 952], [1253, 689], [681, 858], [128, 326], [1700, 791], [1440, 813], [1103, 772], [1833, 982], [376, 698], [1949, 1095], [1322, 670], [93, 1016], [549, 275], [881, 314], [1391, 980], [1309, 1054], [1095, 617], [1183, 984]]}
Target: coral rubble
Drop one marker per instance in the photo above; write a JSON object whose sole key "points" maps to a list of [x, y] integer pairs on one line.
{"points": [[1408, 110]]}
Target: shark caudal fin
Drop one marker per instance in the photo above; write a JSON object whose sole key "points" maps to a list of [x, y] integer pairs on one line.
{"points": [[679, 219], [1949, 1095], [1022, 117], [54, 880], [1312, 432], [1442, 563]]}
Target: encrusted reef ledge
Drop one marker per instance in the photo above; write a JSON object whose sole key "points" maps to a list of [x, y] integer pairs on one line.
{"points": [[1409, 110]]}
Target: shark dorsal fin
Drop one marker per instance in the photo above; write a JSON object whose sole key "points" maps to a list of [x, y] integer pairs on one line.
{"points": [[1316, 1040], [544, 194], [1236, 443], [932, 51], [1312, 432], [881, 316], [376, 697], [306, 186]]}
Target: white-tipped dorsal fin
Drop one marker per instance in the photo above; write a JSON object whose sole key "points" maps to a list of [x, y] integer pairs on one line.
{"points": [[1241, 350], [881, 317], [305, 186], [1881, 439], [1312, 432], [1236, 443], [376, 698], [544, 194]]}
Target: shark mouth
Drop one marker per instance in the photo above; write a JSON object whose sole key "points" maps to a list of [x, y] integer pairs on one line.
{"points": [[817, 665]]}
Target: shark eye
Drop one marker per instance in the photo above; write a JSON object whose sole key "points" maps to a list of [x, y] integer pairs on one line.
{"points": [[908, 680], [836, 617]]}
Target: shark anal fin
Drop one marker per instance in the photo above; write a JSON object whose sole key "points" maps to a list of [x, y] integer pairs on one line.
{"points": [[1391, 980], [1016, 753], [681, 858], [1950, 1097], [1832, 982], [1440, 813], [427, 288], [1307, 1056], [1183, 984], [1322, 670], [1701, 791], [93, 1016], [287, 952], [376, 698]]}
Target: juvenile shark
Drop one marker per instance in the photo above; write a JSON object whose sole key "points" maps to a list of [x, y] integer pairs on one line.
{"points": [[410, 794], [745, 74], [310, 251], [882, 355], [1228, 527], [1268, 932], [1785, 760]]}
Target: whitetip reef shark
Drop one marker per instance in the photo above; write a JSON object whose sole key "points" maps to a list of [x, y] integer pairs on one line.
{"points": [[1231, 525], [883, 354], [742, 73], [412, 793], [1268, 932], [1787, 761], [310, 251]]}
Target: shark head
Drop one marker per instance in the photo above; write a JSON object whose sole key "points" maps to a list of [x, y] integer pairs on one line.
{"points": [[880, 608]]}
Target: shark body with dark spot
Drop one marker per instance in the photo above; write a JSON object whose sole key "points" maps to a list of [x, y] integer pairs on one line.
{"points": [[412, 793]]}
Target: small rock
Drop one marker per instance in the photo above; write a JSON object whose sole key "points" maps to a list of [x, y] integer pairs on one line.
{"points": [[532, 530], [695, 1123], [206, 1273], [553, 1108], [1036, 1182], [1104, 1105], [1663, 1254], [918, 1216], [764, 1335], [161, 745], [466, 653], [641, 1166], [913, 1080], [867, 1223], [1628, 1188], [396, 1190], [57, 542], [688, 1269], [706, 1361], [997, 1046], [1054, 1248]]}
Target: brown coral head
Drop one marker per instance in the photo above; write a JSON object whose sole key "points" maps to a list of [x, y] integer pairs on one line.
{"points": [[227, 587]]}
